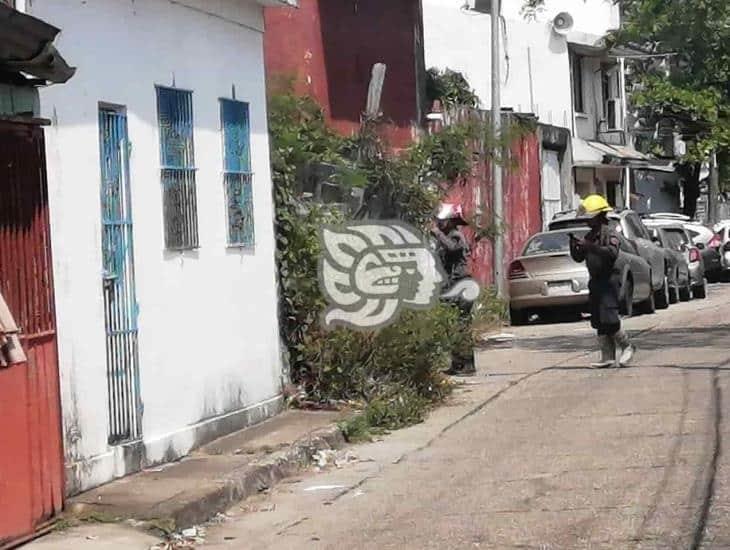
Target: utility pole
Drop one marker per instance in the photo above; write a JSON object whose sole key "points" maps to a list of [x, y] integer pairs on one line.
{"points": [[625, 128], [713, 190], [495, 127]]}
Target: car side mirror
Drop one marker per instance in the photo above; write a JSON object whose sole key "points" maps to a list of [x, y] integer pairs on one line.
{"points": [[656, 240]]}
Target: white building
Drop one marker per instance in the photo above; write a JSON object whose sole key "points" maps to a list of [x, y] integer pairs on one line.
{"points": [[162, 224], [566, 77]]}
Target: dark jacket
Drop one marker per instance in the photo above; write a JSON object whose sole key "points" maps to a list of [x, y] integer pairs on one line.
{"points": [[600, 250], [453, 251]]}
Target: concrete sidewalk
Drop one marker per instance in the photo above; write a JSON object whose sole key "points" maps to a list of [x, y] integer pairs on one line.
{"points": [[191, 491], [218, 476]]}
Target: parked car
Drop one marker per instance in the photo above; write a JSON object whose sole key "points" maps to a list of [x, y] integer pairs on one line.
{"points": [[684, 262], [545, 277], [628, 224], [700, 237], [720, 242]]}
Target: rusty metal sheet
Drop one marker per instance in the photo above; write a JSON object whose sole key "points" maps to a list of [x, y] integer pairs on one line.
{"points": [[31, 457]]}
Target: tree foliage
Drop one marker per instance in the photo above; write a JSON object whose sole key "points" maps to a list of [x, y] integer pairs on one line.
{"points": [[687, 89], [450, 87]]}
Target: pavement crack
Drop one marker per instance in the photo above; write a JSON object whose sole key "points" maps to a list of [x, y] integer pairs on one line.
{"points": [[292, 525], [709, 489], [350, 489], [672, 463]]}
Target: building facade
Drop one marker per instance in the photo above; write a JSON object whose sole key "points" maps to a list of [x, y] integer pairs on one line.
{"points": [[327, 50], [554, 65], [162, 229]]}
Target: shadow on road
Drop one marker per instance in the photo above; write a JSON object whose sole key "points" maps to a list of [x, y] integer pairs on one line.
{"points": [[689, 337], [704, 337]]}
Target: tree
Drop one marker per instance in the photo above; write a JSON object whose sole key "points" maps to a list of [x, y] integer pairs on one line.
{"points": [[682, 84]]}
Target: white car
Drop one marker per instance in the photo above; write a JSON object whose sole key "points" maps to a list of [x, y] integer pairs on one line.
{"points": [[708, 241], [721, 242]]}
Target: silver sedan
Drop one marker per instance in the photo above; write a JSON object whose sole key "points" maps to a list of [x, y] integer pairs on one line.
{"points": [[545, 277]]}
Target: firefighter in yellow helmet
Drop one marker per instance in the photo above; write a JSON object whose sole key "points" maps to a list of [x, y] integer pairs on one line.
{"points": [[599, 249]]}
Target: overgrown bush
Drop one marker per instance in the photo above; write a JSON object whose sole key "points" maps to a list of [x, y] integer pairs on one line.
{"points": [[396, 372], [409, 354], [489, 310]]}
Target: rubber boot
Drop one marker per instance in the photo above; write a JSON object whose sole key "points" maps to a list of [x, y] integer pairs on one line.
{"points": [[608, 352], [624, 349]]}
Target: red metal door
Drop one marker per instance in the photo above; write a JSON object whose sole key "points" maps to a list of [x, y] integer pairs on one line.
{"points": [[31, 456]]}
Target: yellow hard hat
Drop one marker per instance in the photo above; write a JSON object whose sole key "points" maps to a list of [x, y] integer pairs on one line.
{"points": [[595, 204]]}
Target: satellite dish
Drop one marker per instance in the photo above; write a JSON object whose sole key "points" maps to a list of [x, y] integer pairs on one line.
{"points": [[563, 23]]}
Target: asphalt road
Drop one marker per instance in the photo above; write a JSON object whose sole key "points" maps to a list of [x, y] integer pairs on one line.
{"points": [[538, 451]]}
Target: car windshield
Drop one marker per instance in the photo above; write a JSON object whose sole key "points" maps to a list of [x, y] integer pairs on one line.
{"points": [[551, 243]]}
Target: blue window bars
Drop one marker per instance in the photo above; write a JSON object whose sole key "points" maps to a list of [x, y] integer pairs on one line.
{"points": [[237, 176], [177, 159]]}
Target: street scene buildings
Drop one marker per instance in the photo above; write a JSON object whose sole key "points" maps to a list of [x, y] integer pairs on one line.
{"points": [[187, 186]]}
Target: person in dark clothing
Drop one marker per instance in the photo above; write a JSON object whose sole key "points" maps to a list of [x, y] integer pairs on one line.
{"points": [[599, 249], [453, 250]]}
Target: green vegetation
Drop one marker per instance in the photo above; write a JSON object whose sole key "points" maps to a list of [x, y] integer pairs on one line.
{"points": [[394, 374], [449, 87]]}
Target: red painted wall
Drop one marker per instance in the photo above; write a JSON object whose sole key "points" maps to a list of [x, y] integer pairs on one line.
{"points": [[522, 206], [329, 48], [31, 455]]}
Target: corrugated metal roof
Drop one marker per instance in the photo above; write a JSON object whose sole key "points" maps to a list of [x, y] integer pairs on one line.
{"points": [[26, 47]]}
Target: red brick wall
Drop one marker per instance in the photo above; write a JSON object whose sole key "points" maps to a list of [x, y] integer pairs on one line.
{"points": [[329, 48]]}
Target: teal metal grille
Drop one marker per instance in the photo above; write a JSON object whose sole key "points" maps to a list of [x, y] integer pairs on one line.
{"points": [[237, 176], [120, 302], [177, 157]]}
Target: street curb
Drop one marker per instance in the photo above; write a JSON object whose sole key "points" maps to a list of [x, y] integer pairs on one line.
{"points": [[237, 485], [254, 479]]}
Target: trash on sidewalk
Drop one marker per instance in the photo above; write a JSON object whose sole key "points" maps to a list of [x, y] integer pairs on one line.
{"points": [[503, 339], [498, 338], [345, 459], [187, 538], [327, 457], [324, 488], [323, 458]]}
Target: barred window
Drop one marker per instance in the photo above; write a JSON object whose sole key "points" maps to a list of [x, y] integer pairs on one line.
{"points": [[177, 159], [237, 176]]}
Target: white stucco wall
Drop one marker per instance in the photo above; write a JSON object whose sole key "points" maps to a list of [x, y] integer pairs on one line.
{"points": [[460, 39], [593, 17], [208, 333]]}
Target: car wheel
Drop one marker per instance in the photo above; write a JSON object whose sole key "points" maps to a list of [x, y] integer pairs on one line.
{"points": [[661, 297], [674, 292], [685, 293], [700, 291], [627, 306], [519, 317], [648, 306]]}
